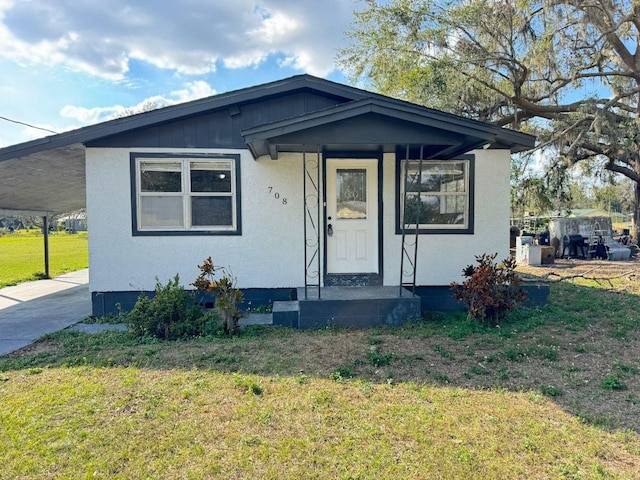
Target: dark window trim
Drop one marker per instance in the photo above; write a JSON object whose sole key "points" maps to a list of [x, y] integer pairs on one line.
{"points": [[400, 154], [133, 156]]}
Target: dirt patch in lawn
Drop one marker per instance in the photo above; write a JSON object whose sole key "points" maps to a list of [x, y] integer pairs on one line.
{"points": [[582, 350], [616, 274]]}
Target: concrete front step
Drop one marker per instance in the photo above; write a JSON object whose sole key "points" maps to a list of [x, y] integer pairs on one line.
{"points": [[348, 307], [286, 313], [256, 319]]}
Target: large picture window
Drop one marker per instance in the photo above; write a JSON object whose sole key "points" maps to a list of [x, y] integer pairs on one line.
{"points": [[176, 194], [438, 200]]}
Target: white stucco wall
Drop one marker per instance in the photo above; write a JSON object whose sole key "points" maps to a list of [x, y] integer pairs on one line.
{"points": [[441, 258], [268, 254], [270, 251]]}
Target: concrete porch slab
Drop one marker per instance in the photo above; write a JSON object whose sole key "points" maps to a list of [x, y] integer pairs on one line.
{"points": [[356, 307]]}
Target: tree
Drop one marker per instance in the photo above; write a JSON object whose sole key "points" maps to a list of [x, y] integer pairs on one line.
{"points": [[565, 70], [146, 106]]}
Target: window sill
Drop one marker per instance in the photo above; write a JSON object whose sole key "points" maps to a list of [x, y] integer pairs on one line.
{"points": [[183, 233], [437, 231]]}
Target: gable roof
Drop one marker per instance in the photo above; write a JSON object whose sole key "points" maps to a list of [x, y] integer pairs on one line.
{"points": [[47, 175], [456, 135]]}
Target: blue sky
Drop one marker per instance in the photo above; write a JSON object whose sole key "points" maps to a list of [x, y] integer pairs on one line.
{"points": [[65, 64]]}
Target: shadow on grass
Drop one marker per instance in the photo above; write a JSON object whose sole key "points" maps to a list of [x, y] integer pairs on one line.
{"points": [[581, 350]]}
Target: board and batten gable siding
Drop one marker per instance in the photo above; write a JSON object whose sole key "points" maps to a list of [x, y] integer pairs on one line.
{"points": [[220, 128], [268, 254], [441, 257]]}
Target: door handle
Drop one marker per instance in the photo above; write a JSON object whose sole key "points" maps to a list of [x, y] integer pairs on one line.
{"points": [[330, 230]]}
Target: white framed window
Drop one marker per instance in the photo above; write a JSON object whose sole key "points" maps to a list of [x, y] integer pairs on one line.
{"points": [[439, 199], [186, 194]]}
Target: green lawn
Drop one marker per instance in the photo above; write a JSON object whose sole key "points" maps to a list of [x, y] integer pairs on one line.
{"points": [[130, 423], [554, 393], [22, 256]]}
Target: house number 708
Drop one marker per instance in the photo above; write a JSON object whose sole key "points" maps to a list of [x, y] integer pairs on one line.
{"points": [[276, 195]]}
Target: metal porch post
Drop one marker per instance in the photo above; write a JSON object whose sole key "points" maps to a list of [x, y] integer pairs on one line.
{"points": [[411, 259], [45, 228], [311, 193]]}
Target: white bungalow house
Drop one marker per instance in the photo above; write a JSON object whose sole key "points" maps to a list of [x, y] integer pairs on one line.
{"points": [[296, 186]]}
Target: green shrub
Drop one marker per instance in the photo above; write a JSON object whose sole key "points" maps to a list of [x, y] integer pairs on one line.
{"points": [[170, 315], [228, 297], [212, 324], [490, 291]]}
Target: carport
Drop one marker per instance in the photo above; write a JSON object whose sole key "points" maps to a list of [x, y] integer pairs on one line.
{"points": [[46, 177], [42, 183]]}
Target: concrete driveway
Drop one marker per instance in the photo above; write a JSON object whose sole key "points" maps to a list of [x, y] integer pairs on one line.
{"points": [[32, 309]]}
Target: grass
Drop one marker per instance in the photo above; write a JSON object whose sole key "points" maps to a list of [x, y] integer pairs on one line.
{"points": [[128, 422], [22, 256], [553, 393]]}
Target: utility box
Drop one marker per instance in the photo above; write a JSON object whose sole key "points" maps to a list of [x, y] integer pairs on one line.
{"points": [[526, 252]]}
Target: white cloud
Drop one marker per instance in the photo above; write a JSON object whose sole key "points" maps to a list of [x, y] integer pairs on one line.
{"points": [[88, 116], [244, 60], [275, 29], [192, 91], [188, 36]]}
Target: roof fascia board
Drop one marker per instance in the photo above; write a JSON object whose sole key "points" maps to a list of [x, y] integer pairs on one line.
{"points": [[446, 153], [173, 112], [350, 110], [454, 151], [121, 125], [463, 125], [30, 213], [435, 121], [504, 134], [399, 110]]}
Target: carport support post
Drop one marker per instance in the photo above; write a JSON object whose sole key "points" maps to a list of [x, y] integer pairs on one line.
{"points": [[45, 228]]}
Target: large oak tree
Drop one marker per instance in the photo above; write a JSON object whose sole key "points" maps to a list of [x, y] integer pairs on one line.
{"points": [[565, 70]]}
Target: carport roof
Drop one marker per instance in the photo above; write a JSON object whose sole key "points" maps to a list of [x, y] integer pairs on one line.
{"points": [[47, 176]]}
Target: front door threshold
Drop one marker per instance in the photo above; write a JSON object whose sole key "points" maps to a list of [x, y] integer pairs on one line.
{"points": [[352, 280]]}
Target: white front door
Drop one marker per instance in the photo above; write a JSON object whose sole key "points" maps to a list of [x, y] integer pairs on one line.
{"points": [[352, 215]]}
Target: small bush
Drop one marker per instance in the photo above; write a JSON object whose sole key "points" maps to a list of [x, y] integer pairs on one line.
{"points": [[490, 292], [228, 297], [170, 315], [212, 324]]}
